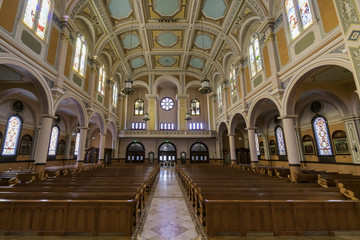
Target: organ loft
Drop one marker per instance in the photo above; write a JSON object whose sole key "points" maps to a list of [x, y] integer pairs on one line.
{"points": [[179, 119]]}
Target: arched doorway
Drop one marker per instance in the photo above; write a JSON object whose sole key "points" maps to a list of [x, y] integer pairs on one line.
{"points": [[199, 153], [135, 153], [167, 154]]}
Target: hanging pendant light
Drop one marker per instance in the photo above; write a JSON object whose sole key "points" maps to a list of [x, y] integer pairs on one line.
{"points": [[128, 89], [205, 83], [146, 117], [188, 116]]}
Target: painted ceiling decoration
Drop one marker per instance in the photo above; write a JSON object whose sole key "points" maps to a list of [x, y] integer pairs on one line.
{"points": [[163, 36]]}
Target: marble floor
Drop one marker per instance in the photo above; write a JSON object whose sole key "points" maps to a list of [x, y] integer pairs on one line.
{"points": [[170, 217]]}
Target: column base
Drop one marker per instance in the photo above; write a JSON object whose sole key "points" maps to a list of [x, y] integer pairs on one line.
{"points": [[294, 170], [233, 162], [254, 164], [79, 163], [38, 168]]}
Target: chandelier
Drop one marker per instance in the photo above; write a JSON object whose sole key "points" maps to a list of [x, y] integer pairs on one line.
{"points": [[146, 117], [128, 89], [205, 86]]}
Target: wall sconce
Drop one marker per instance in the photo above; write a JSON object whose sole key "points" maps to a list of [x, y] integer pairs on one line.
{"points": [[93, 138]]}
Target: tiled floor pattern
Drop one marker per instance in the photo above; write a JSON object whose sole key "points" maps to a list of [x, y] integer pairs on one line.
{"points": [[168, 216]]}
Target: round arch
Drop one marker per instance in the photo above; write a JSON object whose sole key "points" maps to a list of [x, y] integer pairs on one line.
{"points": [[167, 154], [288, 101], [78, 103], [45, 96], [162, 79], [135, 153], [100, 120], [235, 120], [253, 114], [199, 153]]}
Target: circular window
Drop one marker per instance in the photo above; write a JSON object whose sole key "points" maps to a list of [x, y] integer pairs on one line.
{"points": [[167, 103]]}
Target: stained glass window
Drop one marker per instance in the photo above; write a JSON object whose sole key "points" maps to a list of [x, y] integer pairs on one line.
{"points": [[195, 107], [30, 13], [255, 57], [167, 147], [139, 107], [322, 136], [77, 144], [257, 144], [43, 18], [115, 95], [12, 135], [53, 140], [80, 55], [296, 9], [101, 86], [280, 141], [305, 13], [167, 103], [292, 18], [36, 16], [219, 96], [233, 81]]}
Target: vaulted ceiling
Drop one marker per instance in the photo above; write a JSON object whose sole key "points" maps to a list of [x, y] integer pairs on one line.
{"points": [[164, 36]]}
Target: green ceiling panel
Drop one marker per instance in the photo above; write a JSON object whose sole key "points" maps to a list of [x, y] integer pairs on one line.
{"points": [[214, 8], [167, 61], [167, 39], [137, 62], [203, 41], [119, 8], [130, 39], [167, 7], [196, 62]]}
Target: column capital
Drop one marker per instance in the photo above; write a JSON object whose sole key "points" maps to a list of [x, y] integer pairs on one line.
{"points": [[84, 128], [251, 128], [48, 116], [179, 96], [149, 96], [288, 117], [231, 135]]}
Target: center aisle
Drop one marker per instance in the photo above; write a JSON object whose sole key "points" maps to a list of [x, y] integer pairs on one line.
{"points": [[168, 216]]}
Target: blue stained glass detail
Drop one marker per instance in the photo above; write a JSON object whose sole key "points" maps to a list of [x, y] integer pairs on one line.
{"points": [[53, 140], [257, 144], [281, 141], [305, 13], [12, 136], [322, 137]]}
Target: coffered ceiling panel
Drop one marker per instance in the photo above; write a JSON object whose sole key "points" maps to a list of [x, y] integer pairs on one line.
{"points": [[120, 8], [167, 39]]}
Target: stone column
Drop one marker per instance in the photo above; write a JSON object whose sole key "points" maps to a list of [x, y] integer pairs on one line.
{"points": [[102, 148], [232, 148], [252, 146], [81, 150], [182, 109], [42, 143], [152, 110], [33, 146], [292, 149], [67, 146], [352, 133], [93, 81], [349, 18], [109, 93], [266, 146]]}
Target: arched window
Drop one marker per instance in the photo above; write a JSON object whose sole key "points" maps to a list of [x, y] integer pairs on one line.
{"points": [[322, 137], [1, 137], [115, 95], [219, 96], [280, 141], [139, 107], [101, 86], [77, 144], [255, 57], [12, 135], [53, 140], [233, 81], [257, 144], [135, 153], [80, 55], [36, 16], [199, 153], [295, 10], [195, 107]]}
